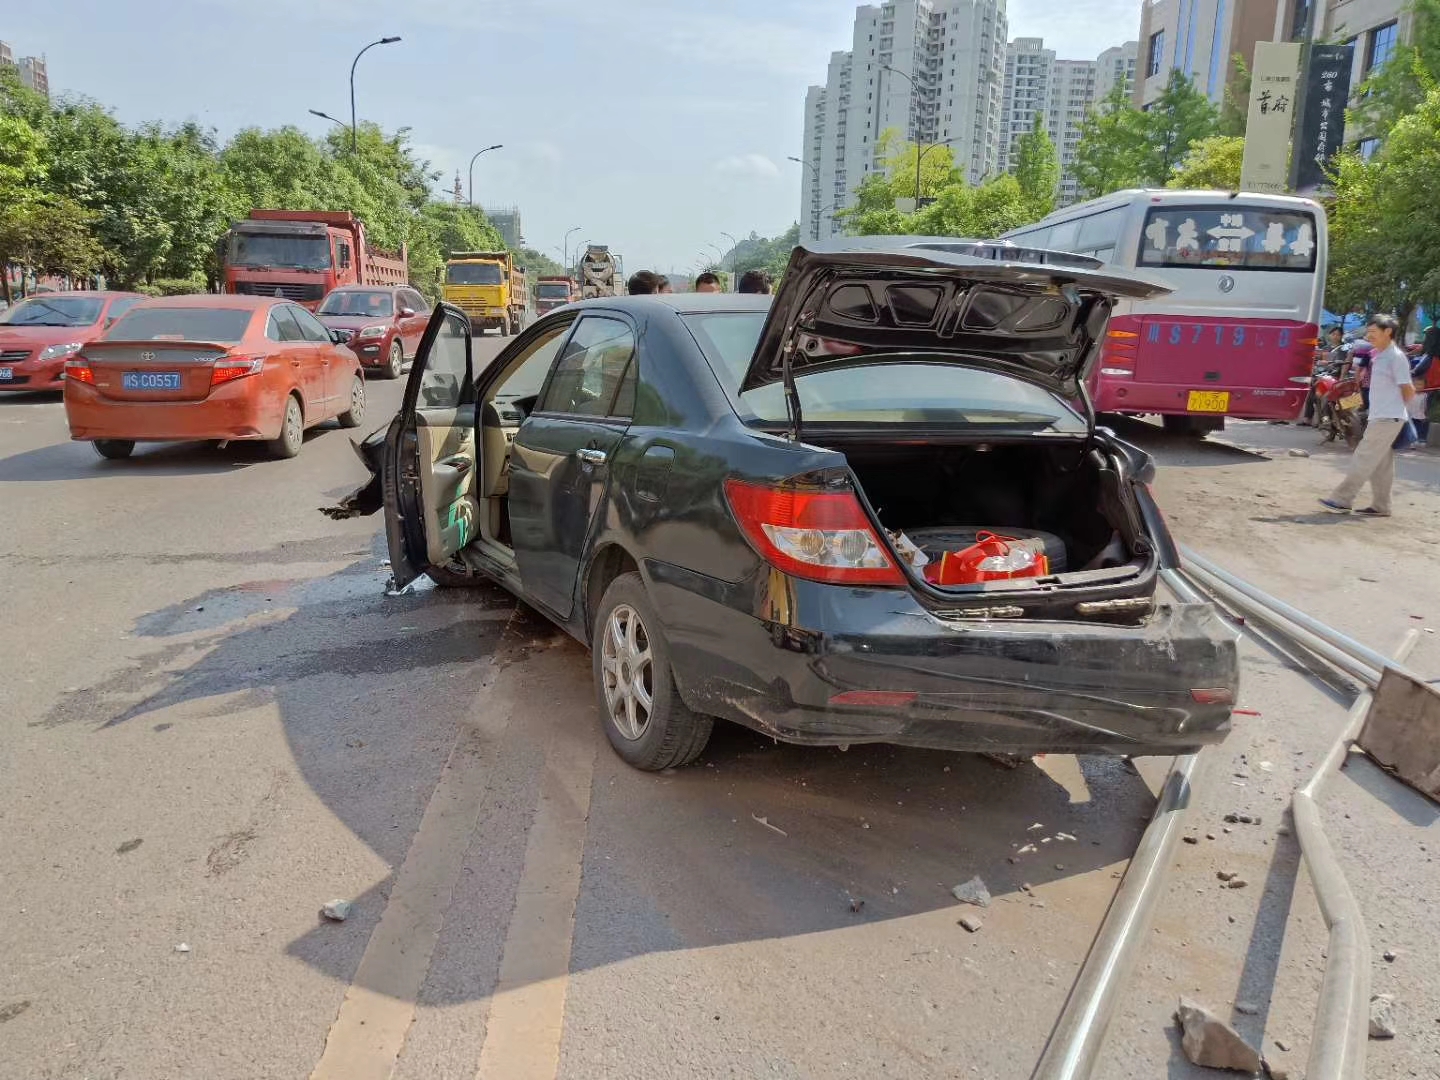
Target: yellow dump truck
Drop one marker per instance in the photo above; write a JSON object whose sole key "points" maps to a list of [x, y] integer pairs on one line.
{"points": [[488, 287]]}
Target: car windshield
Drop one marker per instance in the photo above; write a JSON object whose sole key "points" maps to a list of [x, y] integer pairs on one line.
{"points": [[898, 391], [377, 305], [553, 290], [54, 311], [281, 251], [473, 274], [222, 325]]}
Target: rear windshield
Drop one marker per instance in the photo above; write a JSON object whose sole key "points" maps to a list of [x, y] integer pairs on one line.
{"points": [[1228, 237], [223, 325], [54, 311], [473, 274], [375, 304], [897, 392]]}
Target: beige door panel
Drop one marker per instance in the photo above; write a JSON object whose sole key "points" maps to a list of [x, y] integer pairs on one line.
{"points": [[449, 469]]}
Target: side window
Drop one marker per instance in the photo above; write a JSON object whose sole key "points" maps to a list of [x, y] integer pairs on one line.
{"points": [[415, 300], [526, 378], [283, 321], [446, 382], [119, 307], [591, 374], [343, 249], [311, 328]]}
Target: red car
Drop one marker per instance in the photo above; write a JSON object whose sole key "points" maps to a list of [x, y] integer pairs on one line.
{"points": [[40, 333], [383, 324], [179, 368]]}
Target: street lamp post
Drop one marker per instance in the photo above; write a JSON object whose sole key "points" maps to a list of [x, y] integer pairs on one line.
{"points": [[570, 267], [354, 136], [497, 146], [814, 169], [327, 116], [919, 153]]}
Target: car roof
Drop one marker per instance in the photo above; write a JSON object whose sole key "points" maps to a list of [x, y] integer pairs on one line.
{"points": [[368, 288], [98, 294], [681, 303], [213, 300]]}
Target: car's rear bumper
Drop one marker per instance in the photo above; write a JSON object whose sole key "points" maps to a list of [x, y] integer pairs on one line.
{"points": [[994, 686], [228, 413], [1246, 403]]}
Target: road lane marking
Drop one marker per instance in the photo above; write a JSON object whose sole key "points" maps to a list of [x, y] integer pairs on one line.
{"points": [[527, 1011]]}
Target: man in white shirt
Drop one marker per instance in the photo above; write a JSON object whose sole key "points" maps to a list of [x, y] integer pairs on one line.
{"points": [[1390, 391]]}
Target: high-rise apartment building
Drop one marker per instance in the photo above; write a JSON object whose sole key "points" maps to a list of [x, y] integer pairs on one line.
{"points": [[32, 69], [931, 69], [1062, 92]]}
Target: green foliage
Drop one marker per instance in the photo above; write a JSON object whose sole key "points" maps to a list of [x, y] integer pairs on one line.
{"points": [[1400, 86], [761, 253], [1211, 163], [1384, 220], [155, 200], [1235, 111], [1037, 168], [1121, 146], [537, 264]]}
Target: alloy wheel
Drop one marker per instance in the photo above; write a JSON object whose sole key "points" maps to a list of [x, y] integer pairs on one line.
{"points": [[627, 669]]}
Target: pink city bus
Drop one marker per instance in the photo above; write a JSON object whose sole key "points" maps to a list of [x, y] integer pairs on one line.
{"points": [[1236, 336]]}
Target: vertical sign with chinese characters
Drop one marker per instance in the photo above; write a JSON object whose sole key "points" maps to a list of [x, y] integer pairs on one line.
{"points": [[1327, 92], [1272, 108]]}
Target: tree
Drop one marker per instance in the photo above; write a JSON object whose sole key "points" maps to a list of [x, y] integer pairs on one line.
{"points": [[1211, 163], [1121, 146], [1384, 224], [1037, 168], [47, 234], [1112, 135], [1235, 110], [444, 227]]}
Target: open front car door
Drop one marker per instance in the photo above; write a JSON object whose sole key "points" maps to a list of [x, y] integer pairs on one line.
{"points": [[431, 462]]}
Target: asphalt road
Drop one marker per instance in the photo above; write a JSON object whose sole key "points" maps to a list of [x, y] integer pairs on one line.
{"points": [[216, 721]]}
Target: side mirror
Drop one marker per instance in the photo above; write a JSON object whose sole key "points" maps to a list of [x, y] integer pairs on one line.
{"points": [[406, 312], [339, 337]]}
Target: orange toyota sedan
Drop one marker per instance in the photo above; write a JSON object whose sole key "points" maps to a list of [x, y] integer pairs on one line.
{"points": [[180, 368]]}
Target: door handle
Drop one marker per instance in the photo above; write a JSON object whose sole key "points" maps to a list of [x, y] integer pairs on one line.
{"points": [[591, 456], [458, 462]]}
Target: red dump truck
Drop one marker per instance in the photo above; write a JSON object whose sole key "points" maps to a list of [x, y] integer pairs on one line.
{"points": [[303, 254], [553, 292]]}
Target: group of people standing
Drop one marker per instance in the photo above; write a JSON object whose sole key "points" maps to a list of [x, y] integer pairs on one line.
{"points": [[648, 282]]}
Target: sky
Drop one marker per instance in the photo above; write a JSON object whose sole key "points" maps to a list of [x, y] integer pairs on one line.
{"points": [[656, 126]]}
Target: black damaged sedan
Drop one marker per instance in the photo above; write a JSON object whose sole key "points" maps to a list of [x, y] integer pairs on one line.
{"points": [[877, 509]]}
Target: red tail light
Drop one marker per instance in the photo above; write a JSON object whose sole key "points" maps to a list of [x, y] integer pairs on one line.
{"points": [[79, 370], [817, 535], [234, 367], [1213, 696], [1118, 351]]}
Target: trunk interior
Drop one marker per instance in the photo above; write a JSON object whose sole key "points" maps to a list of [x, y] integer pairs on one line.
{"points": [[1067, 499]]}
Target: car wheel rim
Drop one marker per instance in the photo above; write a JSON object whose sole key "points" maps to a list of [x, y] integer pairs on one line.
{"points": [[292, 424], [627, 672], [397, 361], [357, 398]]}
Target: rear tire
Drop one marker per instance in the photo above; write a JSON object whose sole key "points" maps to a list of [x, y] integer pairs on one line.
{"points": [[640, 708], [397, 361], [355, 415], [505, 326], [292, 431], [1195, 426], [114, 449]]}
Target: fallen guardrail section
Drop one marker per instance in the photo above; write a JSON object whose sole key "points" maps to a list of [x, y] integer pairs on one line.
{"points": [[1341, 1028]]}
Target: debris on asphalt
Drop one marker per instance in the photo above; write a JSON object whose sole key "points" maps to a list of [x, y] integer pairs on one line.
{"points": [[337, 910], [128, 846], [1236, 883], [1209, 836], [1276, 1072], [1281, 1044], [1382, 1016], [1247, 1008], [766, 822], [1026, 850], [864, 824], [1059, 866], [856, 904], [972, 892], [1209, 1041], [1225, 875], [1237, 818], [14, 1009], [1037, 825], [971, 923], [1063, 836], [1390, 955], [1191, 839], [182, 947], [1295, 451]]}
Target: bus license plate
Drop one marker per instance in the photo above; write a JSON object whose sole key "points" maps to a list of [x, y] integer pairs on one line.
{"points": [[1208, 401], [150, 380]]}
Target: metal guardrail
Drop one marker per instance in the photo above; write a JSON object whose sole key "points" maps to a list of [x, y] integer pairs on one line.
{"points": [[1341, 1031]]}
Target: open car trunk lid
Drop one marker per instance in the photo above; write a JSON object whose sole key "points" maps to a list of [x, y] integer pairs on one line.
{"points": [[1028, 313]]}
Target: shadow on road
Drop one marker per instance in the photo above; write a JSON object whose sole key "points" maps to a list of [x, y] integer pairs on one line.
{"points": [[79, 461], [1184, 450], [373, 691]]}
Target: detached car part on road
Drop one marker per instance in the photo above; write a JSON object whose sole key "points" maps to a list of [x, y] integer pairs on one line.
{"points": [[181, 368], [724, 499]]}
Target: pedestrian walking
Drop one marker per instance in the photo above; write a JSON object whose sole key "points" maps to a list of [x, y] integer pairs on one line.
{"points": [[1390, 392]]}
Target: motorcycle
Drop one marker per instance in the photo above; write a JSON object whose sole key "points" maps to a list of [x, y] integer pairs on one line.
{"points": [[1338, 390]]}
